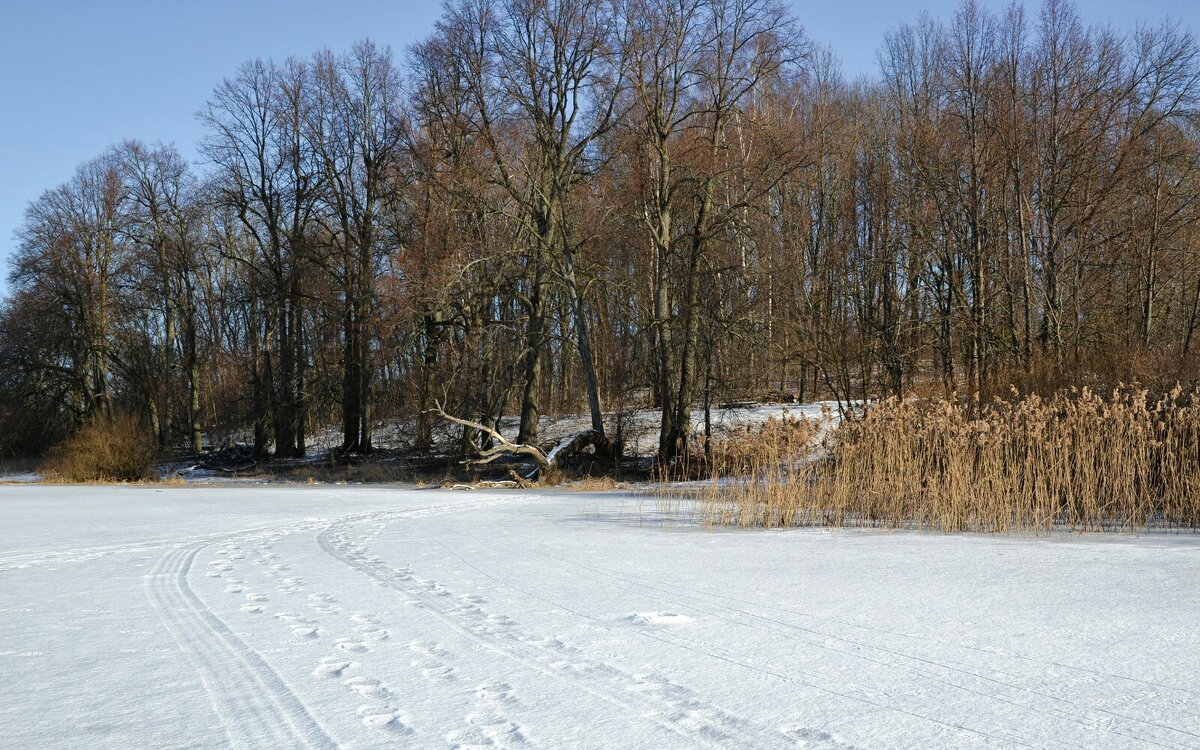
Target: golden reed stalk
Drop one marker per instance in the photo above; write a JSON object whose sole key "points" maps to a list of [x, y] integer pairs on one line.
{"points": [[1076, 460]]}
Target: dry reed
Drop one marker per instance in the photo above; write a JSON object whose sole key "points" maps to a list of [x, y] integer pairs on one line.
{"points": [[1076, 460]]}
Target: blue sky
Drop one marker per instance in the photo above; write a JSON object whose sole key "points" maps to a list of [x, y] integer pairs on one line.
{"points": [[78, 76]]}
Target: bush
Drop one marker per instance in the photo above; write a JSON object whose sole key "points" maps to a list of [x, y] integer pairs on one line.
{"points": [[120, 449], [1076, 460]]}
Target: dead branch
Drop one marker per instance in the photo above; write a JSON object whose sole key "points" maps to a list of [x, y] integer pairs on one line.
{"points": [[501, 445], [547, 464]]}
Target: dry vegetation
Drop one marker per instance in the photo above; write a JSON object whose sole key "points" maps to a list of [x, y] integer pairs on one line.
{"points": [[1076, 460], [746, 450], [1013, 197], [120, 449]]}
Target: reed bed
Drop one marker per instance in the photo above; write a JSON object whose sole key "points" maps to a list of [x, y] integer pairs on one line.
{"points": [[1077, 460]]}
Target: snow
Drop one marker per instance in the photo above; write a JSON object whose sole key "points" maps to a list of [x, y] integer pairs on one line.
{"points": [[640, 426], [269, 616], [24, 477]]}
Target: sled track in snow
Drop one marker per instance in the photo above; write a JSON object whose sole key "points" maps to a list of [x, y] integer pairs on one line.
{"points": [[668, 706], [255, 706]]}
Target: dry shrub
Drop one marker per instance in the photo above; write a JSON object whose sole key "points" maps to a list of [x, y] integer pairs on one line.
{"points": [[590, 483], [120, 449], [1075, 460]]}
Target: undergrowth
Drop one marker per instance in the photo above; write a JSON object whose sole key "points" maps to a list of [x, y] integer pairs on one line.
{"points": [[120, 449]]}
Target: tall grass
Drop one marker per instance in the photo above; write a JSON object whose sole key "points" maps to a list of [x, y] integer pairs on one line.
{"points": [[1076, 460]]}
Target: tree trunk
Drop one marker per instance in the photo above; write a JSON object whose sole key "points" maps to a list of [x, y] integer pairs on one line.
{"points": [[535, 343], [582, 339]]}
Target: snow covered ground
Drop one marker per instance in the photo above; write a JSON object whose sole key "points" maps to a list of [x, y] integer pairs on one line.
{"points": [[281, 617], [640, 426]]}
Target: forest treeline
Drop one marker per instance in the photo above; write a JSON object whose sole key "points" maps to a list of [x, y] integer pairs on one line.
{"points": [[602, 205]]}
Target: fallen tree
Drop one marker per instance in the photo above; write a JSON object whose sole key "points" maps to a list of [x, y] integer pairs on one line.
{"points": [[548, 465]]}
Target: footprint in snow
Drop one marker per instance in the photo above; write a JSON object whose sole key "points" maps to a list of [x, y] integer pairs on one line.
{"points": [[373, 633], [347, 644], [257, 597], [434, 669], [496, 692], [384, 717], [306, 633], [253, 609], [656, 618], [486, 729], [331, 666], [233, 588], [441, 672], [428, 648], [647, 683], [368, 686], [807, 737]]}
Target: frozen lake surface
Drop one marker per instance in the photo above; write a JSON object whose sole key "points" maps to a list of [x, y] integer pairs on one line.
{"points": [[280, 617]]}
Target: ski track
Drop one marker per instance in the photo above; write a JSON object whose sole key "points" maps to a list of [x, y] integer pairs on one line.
{"points": [[27, 560], [734, 611], [86, 554], [669, 706], [255, 706]]}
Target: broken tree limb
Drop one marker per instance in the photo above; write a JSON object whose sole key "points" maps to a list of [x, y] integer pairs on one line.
{"points": [[501, 445], [574, 444], [547, 464]]}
